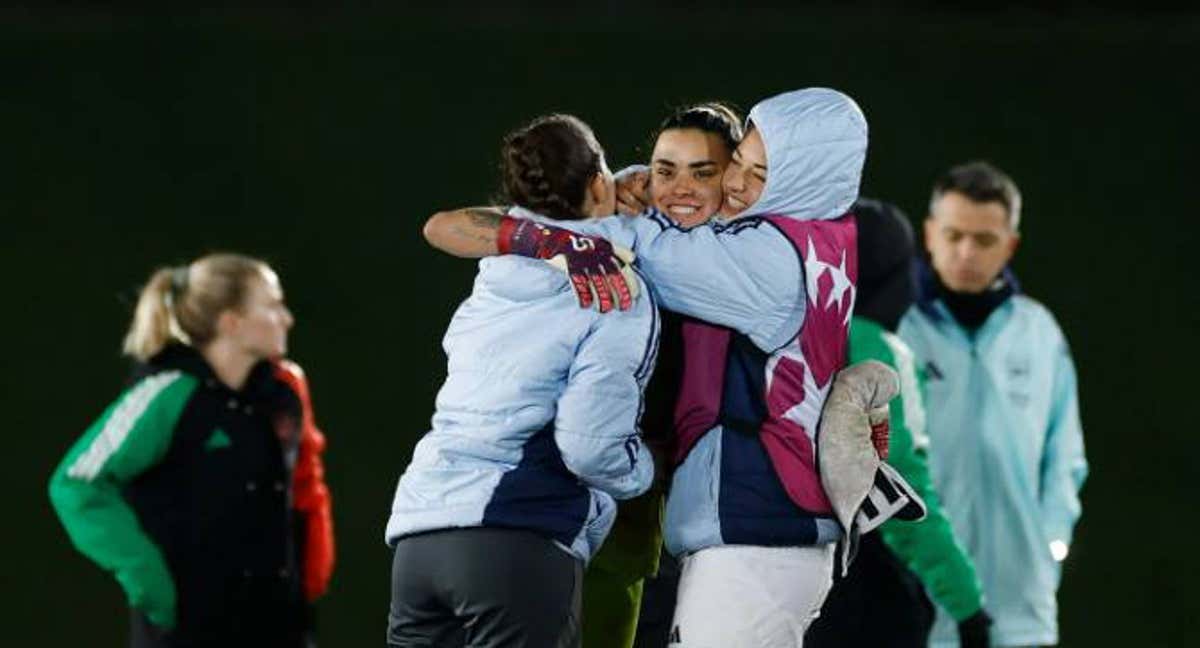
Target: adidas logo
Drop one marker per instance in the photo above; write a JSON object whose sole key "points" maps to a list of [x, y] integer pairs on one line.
{"points": [[217, 440]]}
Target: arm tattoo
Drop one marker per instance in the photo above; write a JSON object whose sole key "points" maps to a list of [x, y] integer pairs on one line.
{"points": [[482, 225], [488, 217]]}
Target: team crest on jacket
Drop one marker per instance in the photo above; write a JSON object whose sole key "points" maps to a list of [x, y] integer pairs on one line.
{"points": [[837, 289], [831, 292]]}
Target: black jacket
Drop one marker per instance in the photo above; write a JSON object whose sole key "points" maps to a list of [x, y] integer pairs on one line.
{"points": [[218, 506]]}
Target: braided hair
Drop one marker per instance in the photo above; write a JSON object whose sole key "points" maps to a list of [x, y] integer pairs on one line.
{"points": [[546, 166]]}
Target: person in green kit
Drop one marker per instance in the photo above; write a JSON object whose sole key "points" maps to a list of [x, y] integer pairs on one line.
{"points": [[883, 599]]}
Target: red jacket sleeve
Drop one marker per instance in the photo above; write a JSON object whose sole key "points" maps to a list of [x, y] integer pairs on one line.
{"points": [[310, 494]]}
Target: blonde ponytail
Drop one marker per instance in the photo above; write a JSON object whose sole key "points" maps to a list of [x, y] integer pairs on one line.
{"points": [[151, 327]]}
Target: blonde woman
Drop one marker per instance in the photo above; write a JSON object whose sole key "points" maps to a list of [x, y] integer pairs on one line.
{"points": [[200, 488]]}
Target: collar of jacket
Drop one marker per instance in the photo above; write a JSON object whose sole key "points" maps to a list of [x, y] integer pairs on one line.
{"points": [[969, 311], [261, 384]]}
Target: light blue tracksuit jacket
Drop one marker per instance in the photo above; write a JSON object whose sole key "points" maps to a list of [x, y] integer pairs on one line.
{"points": [[536, 426], [1006, 454]]}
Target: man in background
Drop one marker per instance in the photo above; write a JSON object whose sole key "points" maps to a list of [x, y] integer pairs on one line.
{"points": [[1006, 446]]}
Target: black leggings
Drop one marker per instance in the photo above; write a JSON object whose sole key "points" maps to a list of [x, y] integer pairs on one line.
{"points": [[484, 587]]}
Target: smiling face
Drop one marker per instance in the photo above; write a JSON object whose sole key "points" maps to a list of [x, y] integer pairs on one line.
{"points": [[745, 176], [686, 169]]}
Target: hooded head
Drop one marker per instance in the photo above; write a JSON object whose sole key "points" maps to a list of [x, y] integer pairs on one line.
{"points": [[886, 252], [816, 144]]}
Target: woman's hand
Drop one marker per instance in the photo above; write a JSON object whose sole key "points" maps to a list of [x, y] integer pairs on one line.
{"points": [[633, 192], [599, 272]]}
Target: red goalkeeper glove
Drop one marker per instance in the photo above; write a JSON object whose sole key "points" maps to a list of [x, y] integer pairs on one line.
{"points": [[598, 271], [881, 430]]}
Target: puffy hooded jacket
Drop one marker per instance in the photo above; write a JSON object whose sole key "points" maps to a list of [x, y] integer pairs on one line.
{"points": [[536, 426], [775, 288]]}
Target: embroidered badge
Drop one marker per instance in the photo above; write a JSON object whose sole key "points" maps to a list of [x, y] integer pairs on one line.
{"points": [[218, 439]]}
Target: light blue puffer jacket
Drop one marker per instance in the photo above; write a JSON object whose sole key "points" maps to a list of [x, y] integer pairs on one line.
{"points": [[536, 426]]}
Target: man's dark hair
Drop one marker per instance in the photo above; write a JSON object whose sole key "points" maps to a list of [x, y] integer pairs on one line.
{"points": [[982, 183], [546, 166]]}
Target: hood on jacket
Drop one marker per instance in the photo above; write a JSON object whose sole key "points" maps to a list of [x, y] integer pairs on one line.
{"points": [[816, 143], [886, 252]]}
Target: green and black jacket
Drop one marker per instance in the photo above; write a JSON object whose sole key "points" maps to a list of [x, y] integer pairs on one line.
{"points": [[182, 490]]}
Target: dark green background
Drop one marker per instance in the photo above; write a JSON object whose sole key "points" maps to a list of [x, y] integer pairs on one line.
{"points": [[322, 140]]}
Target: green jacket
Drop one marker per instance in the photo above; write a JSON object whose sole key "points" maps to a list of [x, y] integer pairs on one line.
{"points": [[132, 436], [928, 547]]}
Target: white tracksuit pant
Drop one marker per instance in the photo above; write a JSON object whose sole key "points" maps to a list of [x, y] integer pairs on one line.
{"points": [[750, 597]]}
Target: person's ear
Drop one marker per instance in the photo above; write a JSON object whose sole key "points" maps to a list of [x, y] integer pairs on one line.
{"points": [[598, 189], [929, 230], [1013, 244], [228, 323]]}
